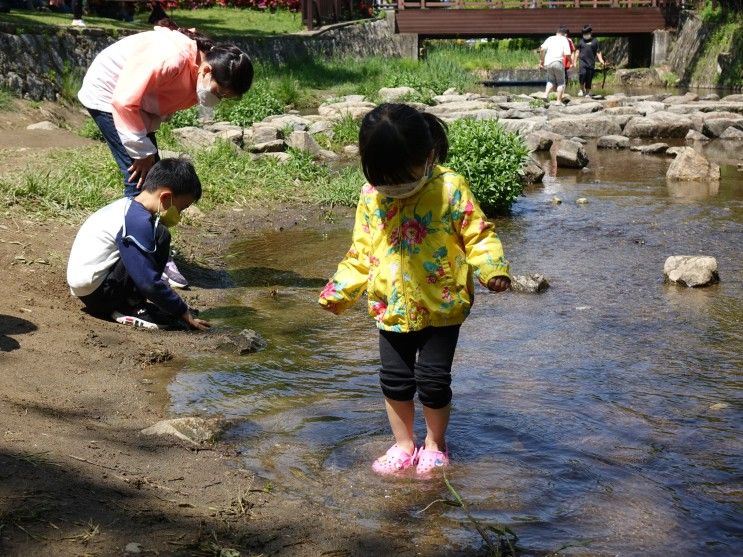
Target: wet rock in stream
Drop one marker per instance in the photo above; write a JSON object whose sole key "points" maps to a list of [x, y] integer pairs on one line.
{"points": [[690, 270], [245, 342], [530, 284], [197, 431]]}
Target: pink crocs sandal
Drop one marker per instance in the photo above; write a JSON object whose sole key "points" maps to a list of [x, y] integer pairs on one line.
{"points": [[429, 460], [394, 461]]}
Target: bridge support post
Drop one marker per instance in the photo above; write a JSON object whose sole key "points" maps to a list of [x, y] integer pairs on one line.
{"points": [[407, 43], [661, 46]]}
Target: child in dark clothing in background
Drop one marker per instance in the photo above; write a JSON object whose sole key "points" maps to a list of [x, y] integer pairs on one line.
{"points": [[117, 259]]}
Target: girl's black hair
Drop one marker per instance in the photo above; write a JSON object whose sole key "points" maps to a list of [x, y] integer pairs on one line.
{"points": [[396, 139], [231, 67]]}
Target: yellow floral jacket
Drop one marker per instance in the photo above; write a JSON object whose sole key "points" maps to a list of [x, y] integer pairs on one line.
{"points": [[416, 257]]}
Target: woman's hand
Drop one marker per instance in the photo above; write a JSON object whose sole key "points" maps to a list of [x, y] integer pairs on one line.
{"points": [[195, 323], [139, 169], [499, 284]]}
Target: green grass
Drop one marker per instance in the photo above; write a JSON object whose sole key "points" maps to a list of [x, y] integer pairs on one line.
{"points": [[6, 99], [71, 184], [726, 36], [496, 55], [216, 21]]}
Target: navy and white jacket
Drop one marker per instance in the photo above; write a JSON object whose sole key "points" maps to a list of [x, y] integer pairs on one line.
{"points": [[123, 230]]}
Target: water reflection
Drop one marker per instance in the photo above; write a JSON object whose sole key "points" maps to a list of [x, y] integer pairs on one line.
{"points": [[589, 415]]}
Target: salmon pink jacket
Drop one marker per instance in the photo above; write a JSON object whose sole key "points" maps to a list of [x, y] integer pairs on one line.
{"points": [[417, 257], [141, 80]]}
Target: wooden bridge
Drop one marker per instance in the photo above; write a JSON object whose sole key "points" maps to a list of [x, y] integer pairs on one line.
{"points": [[503, 18], [527, 18]]}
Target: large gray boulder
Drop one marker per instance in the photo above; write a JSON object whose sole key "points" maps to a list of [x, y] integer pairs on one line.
{"points": [[715, 127], [691, 270], [192, 137], [395, 94], [275, 146], [532, 173], [589, 125], [658, 124], [569, 154], [691, 166], [303, 141], [524, 127], [613, 142], [45, 125], [283, 121], [732, 133], [261, 133], [354, 109], [541, 140], [652, 149], [694, 135], [649, 107], [576, 109]]}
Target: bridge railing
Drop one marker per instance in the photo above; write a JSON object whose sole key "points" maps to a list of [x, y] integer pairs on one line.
{"points": [[535, 4]]}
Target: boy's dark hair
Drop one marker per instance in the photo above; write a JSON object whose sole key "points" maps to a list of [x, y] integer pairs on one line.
{"points": [[563, 30], [396, 139], [231, 67], [178, 175]]}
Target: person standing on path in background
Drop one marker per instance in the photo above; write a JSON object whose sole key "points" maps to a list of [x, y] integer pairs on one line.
{"points": [[569, 61], [552, 55], [77, 13], [140, 80], [589, 50]]}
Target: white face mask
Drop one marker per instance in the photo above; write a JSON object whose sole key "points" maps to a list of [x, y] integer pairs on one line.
{"points": [[587, 37], [204, 93], [403, 191]]}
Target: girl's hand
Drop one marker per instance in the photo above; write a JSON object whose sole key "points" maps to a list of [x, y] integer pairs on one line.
{"points": [[499, 284], [140, 168]]}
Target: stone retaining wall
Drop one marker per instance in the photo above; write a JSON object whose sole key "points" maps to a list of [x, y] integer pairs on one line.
{"points": [[35, 61]]}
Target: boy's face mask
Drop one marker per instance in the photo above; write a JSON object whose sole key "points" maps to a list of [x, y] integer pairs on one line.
{"points": [[204, 92], [587, 36], [171, 216], [403, 191]]}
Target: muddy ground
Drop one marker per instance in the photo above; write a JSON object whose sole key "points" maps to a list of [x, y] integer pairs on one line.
{"points": [[76, 475]]}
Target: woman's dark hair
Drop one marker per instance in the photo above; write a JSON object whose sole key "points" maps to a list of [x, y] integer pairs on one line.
{"points": [[397, 139], [231, 67], [177, 174]]}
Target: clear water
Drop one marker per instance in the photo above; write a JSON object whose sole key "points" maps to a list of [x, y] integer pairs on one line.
{"points": [[581, 416]]}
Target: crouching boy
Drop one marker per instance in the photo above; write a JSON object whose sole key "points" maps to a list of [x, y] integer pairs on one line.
{"points": [[117, 259]]}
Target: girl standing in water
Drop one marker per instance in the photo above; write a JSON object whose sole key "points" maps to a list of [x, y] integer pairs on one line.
{"points": [[419, 240]]}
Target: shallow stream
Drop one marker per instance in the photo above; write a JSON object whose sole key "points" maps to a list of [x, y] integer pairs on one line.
{"points": [[605, 414]]}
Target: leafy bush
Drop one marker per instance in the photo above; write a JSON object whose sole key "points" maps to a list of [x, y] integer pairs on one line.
{"points": [[91, 130], [185, 118], [491, 159], [257, 104], [6, 99]]}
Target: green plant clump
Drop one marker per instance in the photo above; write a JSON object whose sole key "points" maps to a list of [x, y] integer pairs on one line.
{"points": [[346, 131], [491, 159], [6, 99], [185, 118], [254, 106]]}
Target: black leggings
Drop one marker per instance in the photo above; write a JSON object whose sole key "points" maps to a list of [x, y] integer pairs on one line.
{"points": [[418, 361], [117, 291]]}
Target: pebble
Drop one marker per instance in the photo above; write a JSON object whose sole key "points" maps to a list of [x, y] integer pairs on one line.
{"points": [[719, 406], [556, 200], [581, 201], [134, 548]]}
